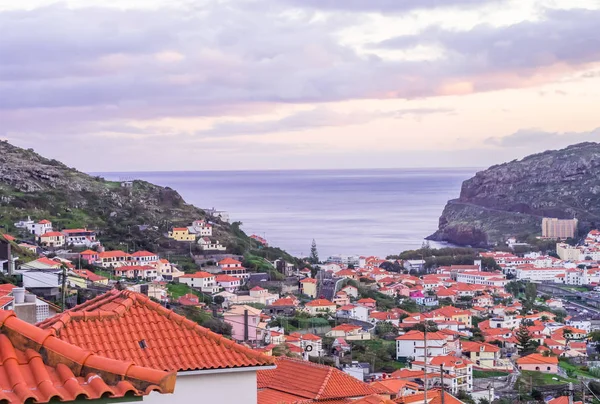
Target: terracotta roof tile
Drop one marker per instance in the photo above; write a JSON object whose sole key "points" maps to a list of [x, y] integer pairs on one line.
{"points": [[312, 381], [63, 371], [118, 323]]}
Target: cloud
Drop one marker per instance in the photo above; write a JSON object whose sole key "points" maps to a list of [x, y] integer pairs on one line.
{"points": [[536, 139], [559, 37], [319, 117], [389, 6]]}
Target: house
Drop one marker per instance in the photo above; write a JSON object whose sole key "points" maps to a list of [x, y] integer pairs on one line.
{"points": [[228, 282], [379, 316], [253, 330], [450, 313], [204, 281], [458, 372], [89, 256], [412, 345], [539, 363], [189, 299], [353, 311], [41, 227], [42, 263], [284, 306], [394, 388], [233, 267], [319, 306], [350, 290], [80, 237], [296, 381], [114, 259], [341, 298], [138, 272], [368, 302], [312, 345], [41, 368], [144, 257], [207, 244], [260, 240], [129, 326], [482, 354], [52, 239], [182, 234], [202, 228], [91, 276], [308, 286], [28, 247], [349, 332]]}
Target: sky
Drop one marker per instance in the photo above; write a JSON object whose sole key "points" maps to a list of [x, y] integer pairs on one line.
{"points": [[156, 85]]}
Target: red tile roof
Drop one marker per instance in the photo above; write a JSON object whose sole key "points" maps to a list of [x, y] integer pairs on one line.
{"points": [[415, 335], [114, 325], [200, 274], [39, 367], [308, 280], [536, 359], [8, 237], [44, 221], [144, 254], [113, 254], [89, 275], [320, 303], [310, 381], [89, 252], [52, 234], [229, 261]]}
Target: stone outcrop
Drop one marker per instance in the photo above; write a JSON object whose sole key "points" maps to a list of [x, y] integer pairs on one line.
{"points": [[511, 199]]}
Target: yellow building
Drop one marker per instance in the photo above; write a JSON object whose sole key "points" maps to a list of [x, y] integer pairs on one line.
{"points": [[483, 355], [182, 234], [52, 239], [309, 287]]}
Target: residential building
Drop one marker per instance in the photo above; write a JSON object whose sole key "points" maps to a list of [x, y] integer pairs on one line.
{"points": [[80, 237], [482, 354], [353, 311], [144, 257], [559, 228], [295, 381], [350, 332], [228, 283], [261, 240], [233, 267], [202, 228], [52, 239], [208, 244], [89, 256], [350, 290], [91, 276], [482, 278], [539, 363], [581, 323], [114, 259], [412, 345], [320, 306], [42, 369], [182, 234], [308, 286], [246, 323], [458, 372], [567, 252], [368, 302], [204, 281], [137, 272], [41, 227], [129, 326]]}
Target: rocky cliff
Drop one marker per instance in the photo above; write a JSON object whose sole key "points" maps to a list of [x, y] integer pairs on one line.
{"points": [[510, 199]]}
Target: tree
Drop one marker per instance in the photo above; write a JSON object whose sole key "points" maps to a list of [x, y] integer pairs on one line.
{"points": [[314, 254], [530, 292], [219, 300], [524, 338]]}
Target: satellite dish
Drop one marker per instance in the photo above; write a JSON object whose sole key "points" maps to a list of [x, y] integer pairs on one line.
{"points": [[308, 348]]}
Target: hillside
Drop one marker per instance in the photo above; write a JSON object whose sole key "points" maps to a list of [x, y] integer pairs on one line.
{"points": [[31, 185], [510, 199]]}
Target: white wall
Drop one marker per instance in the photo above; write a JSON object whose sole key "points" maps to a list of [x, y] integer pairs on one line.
{"points": [[218, 388]]}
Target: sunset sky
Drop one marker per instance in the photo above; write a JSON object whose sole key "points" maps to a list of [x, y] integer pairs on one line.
{"points": [[133, 85]]}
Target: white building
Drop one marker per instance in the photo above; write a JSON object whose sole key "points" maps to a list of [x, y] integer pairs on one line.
{"points": [[581, 323], [412, 345], [210, 245], [353, 311], [41, 227], [228, 283], [202, 228], [481, 278], [568, 252], [539, 274], [204, 281]]}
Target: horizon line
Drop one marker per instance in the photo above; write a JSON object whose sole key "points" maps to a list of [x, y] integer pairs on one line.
{"points": [[289, 169]]}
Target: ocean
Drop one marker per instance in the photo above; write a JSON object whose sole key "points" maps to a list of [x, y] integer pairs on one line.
{"points": [[348, 212]]}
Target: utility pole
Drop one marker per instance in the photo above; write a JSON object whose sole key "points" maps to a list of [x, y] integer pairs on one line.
{"points": [[425, 359], [583, 392], [442, 376], [570, 393], [64, 288]]}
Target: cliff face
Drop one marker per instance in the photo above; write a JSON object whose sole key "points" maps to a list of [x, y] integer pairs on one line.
{"points": [[510, 199]]}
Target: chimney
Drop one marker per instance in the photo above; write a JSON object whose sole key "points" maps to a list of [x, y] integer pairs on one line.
{"points": [[19, 295]]}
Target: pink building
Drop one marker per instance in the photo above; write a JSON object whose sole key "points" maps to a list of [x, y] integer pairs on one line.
{"points": [[539, 363], [236, 317], [89, 256]]}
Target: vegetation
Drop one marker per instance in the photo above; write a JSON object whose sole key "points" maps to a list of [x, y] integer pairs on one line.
{"points": [[447, 256], [206, 320], [481, 374], [379, 353], [314, 254]]}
